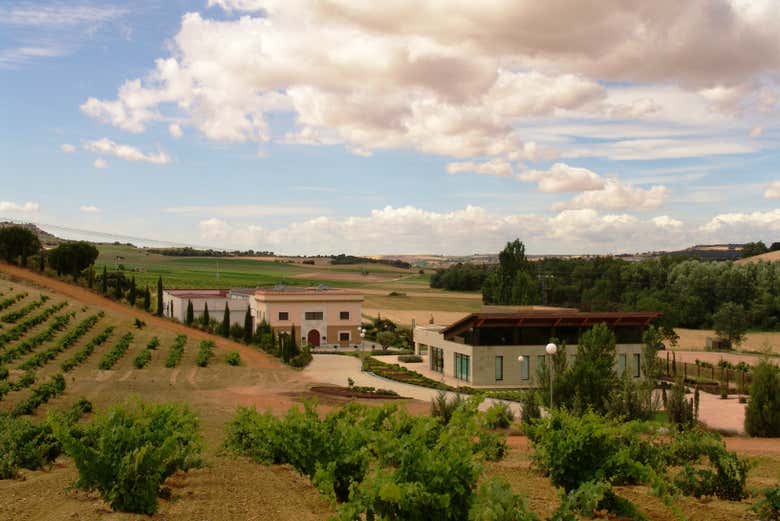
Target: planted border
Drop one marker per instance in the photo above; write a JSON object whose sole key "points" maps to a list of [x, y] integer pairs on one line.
{"points": [[26, 346], [41, 358], [10, 301], [86, 351], [19, 330], [205, 353], [145, 356], [27, 379], [14, 316], [177, 349], [116, 352]]}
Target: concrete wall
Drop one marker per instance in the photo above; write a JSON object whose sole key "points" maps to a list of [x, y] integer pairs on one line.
{"points": [[329, 327], [176, 307], [482, 366]]}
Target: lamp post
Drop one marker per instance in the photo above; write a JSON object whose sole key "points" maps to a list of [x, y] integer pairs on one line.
{"points": [[362, 336], [551, 350]]}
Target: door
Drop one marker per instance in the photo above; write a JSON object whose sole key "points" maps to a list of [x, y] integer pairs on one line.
{"points": [[313, 338]]}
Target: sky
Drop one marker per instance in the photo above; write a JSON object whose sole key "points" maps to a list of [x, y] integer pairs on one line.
{"points": [[410, 126]]}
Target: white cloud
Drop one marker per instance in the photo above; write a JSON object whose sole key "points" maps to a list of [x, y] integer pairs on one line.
{"points": [[564, 178], [756, 131], [618, 196], [742, 227], [15, 56], [495, 167], [67, 148], [100, 163], [10, 206], [772, 190], [89, 209], [57, 14], [126, 152], [246, 210], [175, 130]]}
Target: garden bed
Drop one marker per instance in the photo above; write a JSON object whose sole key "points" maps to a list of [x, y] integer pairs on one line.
{"points": [[363, 393]]}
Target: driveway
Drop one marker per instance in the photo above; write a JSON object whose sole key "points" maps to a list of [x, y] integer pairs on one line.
{"points": [[336, 369]]}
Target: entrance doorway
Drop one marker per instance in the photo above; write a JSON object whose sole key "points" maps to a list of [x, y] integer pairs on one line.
{"points": [[313, 338]]}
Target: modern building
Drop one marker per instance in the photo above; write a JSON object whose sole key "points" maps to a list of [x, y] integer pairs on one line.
{"points": [[506, 349], [320, 316]]}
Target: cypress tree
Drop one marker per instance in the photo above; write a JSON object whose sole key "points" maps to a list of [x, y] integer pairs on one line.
{"points": [[225, 329], [91, 277], [159, 297], [41, 261], [248, 325], [132, 295], [292, 351], [104, 282], [147, 299], [206, 318], [118, 289], [190, 313]]}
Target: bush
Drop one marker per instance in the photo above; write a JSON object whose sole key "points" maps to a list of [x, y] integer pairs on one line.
{"points": [[409, 359], [116, 352], [127, 452], [499, 416], [143, 359], [768, 507], [530, 411], [40, 395], [496, 502], [444, 408], [762, 415], [205, 353], [303, 358], [177, 349], [681, 411], [233, 358]]}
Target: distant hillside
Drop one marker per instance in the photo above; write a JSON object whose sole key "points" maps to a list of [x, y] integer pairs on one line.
{"points": [[770, 256], [47, 240]]}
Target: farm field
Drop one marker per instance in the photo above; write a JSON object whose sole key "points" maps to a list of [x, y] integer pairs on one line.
{"points": [[226, 488], [695, 340]]}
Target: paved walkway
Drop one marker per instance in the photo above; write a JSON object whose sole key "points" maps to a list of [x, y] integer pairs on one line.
{"points": [[336, 369]]}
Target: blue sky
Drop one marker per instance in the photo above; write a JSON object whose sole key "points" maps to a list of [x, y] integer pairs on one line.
{"points": [[307, 127]]}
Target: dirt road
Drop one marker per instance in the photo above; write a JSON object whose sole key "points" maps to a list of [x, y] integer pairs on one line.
{"points": [[252, 357]]}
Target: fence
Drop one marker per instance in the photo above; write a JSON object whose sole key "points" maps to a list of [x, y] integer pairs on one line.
{"points": [[709, 377]]}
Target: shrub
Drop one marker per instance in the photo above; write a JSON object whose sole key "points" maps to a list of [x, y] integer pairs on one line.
{"points": [[127, 452], [81, 329], [499, 416], [143, 359], [681, 411], [154, 343], [233, 358], [40, 395], [177, 349], [762, 415], [768, 507], [444, 408], [409, 359], [496, 502], [86, 351], [530, 411], [303, 358], [116, 352], [205, 353], [24, 445]]}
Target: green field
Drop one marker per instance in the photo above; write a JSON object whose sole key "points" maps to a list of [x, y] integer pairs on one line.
{"points": [[376, 280]]}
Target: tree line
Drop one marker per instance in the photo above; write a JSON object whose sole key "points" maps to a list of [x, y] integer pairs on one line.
{"points": [[689, 293]]}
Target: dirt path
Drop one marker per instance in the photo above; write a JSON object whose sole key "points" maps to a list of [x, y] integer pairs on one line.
{"points": [[252, 357]]}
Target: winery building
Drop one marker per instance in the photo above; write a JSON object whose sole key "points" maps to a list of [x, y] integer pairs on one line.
{"points": [[506, 349]]}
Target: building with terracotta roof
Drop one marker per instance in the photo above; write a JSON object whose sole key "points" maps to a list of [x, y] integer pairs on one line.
{"points": [[505, 349], [320, 316]]}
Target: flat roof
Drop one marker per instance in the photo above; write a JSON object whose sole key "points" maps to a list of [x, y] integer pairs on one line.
{"points": [[197, 293], [563, 318], [300, 290]]}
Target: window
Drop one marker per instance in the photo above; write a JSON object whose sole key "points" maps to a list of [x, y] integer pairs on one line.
{"points": [[499, 368], [621, 364], [462, 363], [437, 359], [313, 315], [637, 369], [284, 315], [525, 368], [343, 315], [344, 336]]}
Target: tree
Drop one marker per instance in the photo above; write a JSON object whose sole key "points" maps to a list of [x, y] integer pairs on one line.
{"points": [[225, 328], [91, 277], [159, 297], [592, 375], [651, 364], [190, 313], [762, 416], [147, 299], [104, 282], [248, 325], [118, 288], [41, 261], [132, 296], [386, 338], [206, 318], [752, 249], [512, 281], [73, 258], [18, 242], [731, 323]]}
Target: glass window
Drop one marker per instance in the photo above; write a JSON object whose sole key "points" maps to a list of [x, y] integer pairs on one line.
{"points": [[621, 364], [525, 367], [284, 315], [344, 315], [637, 369], [344, 336], [437, 359], [499, 368], [462, 363], [313, 315]]}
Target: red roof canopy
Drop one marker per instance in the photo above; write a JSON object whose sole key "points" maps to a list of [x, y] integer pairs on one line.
{"points": [[550, 319]]}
